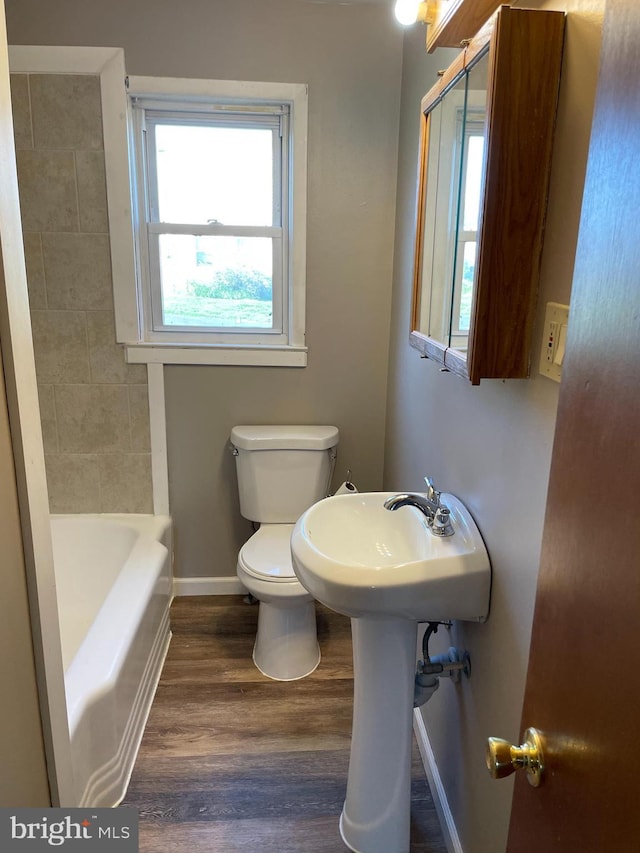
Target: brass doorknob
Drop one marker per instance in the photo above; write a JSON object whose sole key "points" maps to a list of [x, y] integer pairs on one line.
{"points": [[503, 758]]}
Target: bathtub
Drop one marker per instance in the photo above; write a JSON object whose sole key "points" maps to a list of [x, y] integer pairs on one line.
{"points": [[113, 587]]}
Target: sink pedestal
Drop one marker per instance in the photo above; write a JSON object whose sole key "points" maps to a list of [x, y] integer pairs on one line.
{"points": [[375, 817], [388, 572]]}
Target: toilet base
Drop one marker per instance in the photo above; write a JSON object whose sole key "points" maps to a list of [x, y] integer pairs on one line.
{"points": [[286, 646]]}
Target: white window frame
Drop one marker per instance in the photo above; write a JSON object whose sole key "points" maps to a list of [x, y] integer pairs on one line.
{"points": [[285, 345], [147, 114]]}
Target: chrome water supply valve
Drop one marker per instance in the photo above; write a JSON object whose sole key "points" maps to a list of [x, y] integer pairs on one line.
{"points": [[431, 669]]}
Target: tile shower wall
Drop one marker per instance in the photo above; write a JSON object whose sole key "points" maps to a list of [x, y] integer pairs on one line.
{"points": [[94, 406]]}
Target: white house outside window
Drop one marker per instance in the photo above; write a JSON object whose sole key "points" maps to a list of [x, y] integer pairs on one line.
{"points": [[219, 197]]}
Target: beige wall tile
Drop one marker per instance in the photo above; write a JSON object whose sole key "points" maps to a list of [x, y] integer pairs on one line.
{"points": [[137, 374], [125, 482], [48, 418], [60, 345], [66, 111], [74, 482], [105, 355], [93, 418], [35, 269], [47, 182], [139, 409], [92, 191], [77, 271], [94, 406], [21, 111]]}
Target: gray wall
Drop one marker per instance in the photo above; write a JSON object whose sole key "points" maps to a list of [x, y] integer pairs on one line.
{"points": [[490, 445], [350, 55], [23, 774], [23, 780], [94, 407]]}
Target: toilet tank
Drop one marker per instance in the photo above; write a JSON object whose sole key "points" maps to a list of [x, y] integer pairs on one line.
{"points": [[282, 470]]}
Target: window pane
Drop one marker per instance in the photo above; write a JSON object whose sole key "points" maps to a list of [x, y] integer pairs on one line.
{"points": [[216, 281], [473, 183], [466, 286], [210, 174]]}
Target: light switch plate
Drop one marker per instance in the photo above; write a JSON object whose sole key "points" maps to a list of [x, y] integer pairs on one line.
{"points": [[554, 336]]}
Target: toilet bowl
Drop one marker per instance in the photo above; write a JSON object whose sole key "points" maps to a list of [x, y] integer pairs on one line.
{"points": [[282, 470], [286, 645]]}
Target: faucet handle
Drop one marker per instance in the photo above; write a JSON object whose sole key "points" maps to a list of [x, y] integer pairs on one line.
{"points": [[441, 524], [432, 493]]}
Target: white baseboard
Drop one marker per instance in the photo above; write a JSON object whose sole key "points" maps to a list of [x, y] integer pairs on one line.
{"points": [[438, 792], [208, 586]]}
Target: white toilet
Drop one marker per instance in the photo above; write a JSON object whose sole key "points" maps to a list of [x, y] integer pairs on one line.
{"points": [[282, 470]]}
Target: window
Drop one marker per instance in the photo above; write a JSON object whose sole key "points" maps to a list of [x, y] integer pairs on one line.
{"points": [[219, 174], [470, 141]]}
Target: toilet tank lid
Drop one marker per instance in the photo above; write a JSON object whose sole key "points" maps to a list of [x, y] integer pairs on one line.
{"points": [[295, 437]]}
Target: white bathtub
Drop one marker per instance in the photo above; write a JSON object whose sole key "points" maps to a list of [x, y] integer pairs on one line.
{"points": [[113, 582]]}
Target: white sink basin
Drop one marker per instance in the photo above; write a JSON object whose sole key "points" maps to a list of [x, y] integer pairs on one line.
{"points": [[363, 560], [387, 571]]}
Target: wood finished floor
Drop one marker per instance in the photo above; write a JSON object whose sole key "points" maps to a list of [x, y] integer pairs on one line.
{"points": [[232, 761]]}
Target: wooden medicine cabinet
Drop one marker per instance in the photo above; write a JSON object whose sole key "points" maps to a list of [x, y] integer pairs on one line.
{"points": [[485, 159]]}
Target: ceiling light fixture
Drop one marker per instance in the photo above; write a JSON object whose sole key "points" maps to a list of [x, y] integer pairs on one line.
{"points": [[408, 12]]}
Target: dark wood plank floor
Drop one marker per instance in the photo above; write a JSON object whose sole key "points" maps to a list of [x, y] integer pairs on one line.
{"points": [[233, 761]]}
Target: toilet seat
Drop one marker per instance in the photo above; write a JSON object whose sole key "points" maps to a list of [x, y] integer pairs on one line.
{"points": [[267, 555]]}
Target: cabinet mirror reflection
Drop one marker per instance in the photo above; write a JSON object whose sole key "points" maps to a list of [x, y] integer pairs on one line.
{"points": [[456, 134], [485, 154]]}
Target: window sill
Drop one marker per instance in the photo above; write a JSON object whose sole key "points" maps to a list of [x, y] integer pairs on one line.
{"points": [[263, 356]]}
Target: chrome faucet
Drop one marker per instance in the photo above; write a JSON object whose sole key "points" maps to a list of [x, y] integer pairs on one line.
{"points": [[429, 504]]}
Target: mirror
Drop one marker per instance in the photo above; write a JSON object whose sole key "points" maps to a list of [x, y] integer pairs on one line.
{"points": [[485, 155], [453, 190]]}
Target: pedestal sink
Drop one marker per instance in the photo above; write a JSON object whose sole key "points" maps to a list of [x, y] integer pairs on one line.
{"points": [[387, 571]]}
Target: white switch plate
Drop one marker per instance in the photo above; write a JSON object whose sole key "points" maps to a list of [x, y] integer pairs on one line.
{"points": [[556, 321]]}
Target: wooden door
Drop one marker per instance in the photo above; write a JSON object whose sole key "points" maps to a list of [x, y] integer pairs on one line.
{"points": [[583, 684]]}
